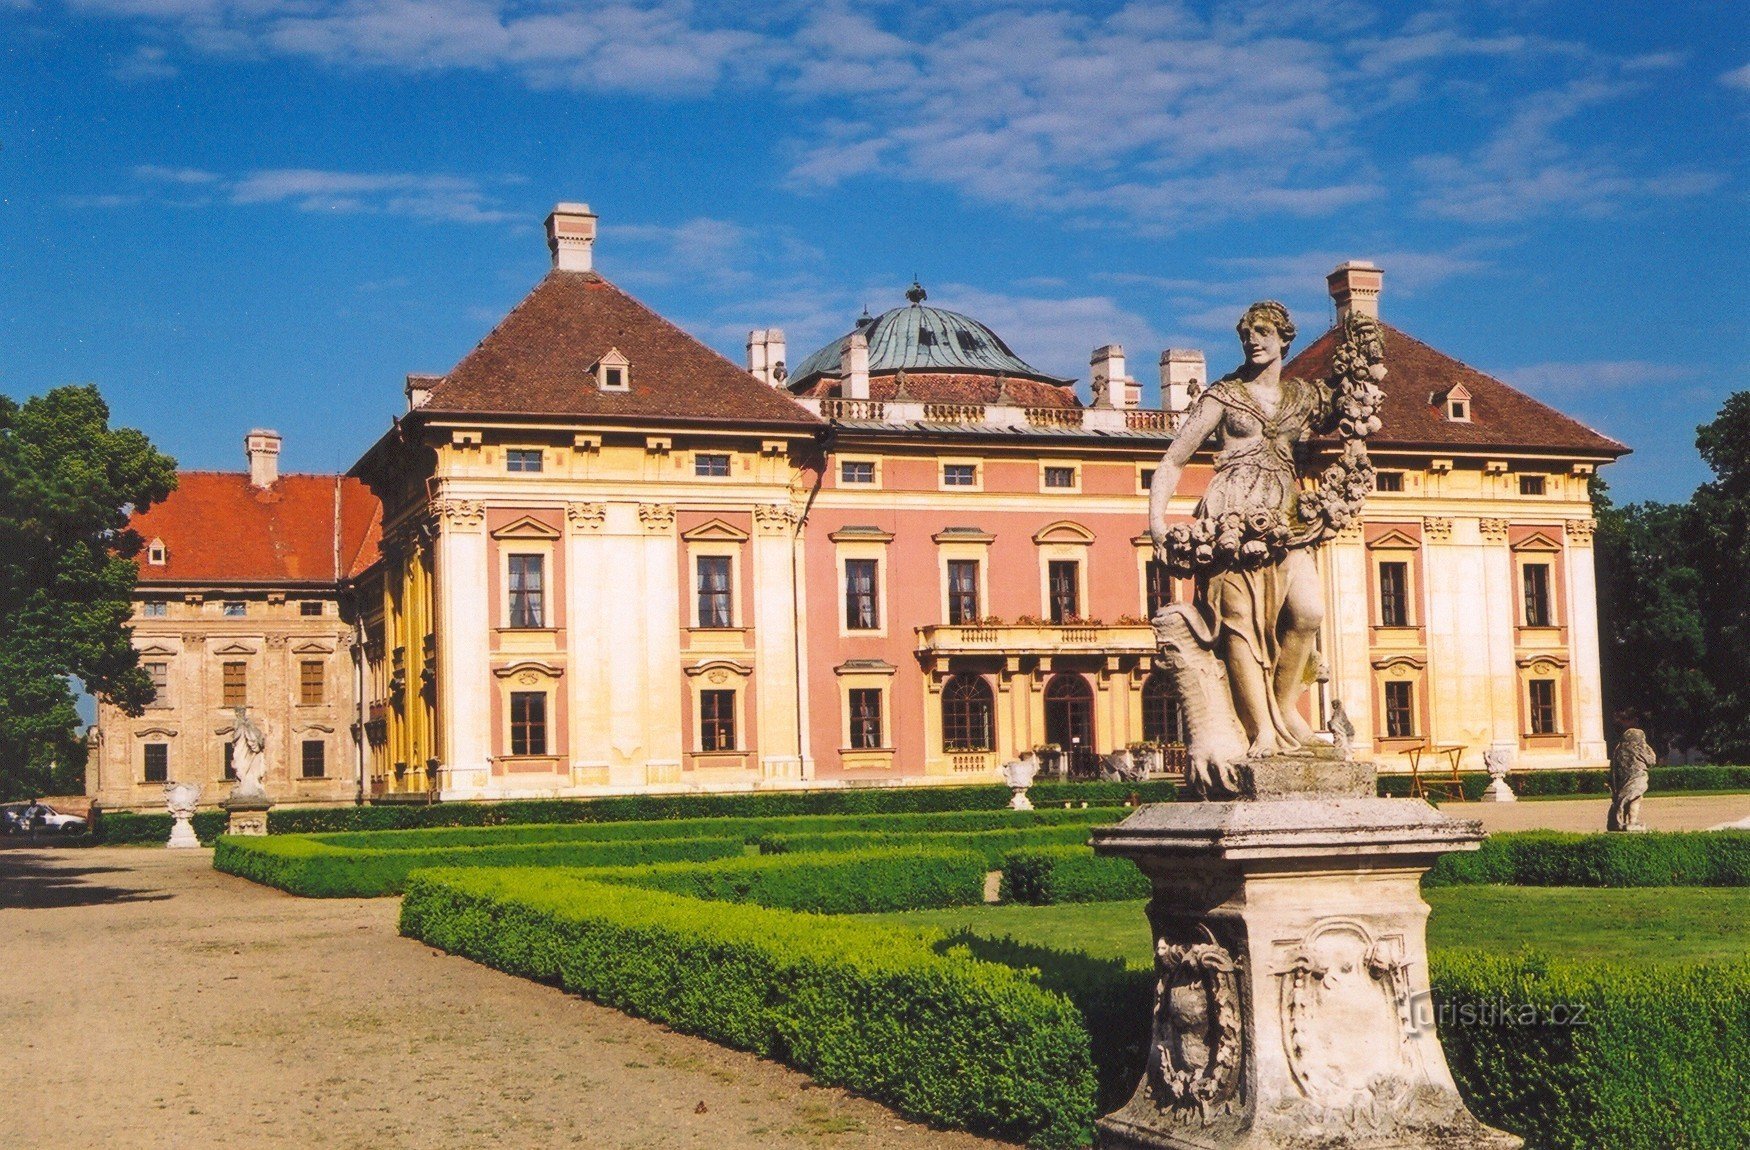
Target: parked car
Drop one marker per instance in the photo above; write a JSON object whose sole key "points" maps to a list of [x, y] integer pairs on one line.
{"points": [[12, 818], [22, 818]]}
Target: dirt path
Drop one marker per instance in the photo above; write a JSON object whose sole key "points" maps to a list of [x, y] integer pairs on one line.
{"points": [[151, 1002], [1670, 813]]}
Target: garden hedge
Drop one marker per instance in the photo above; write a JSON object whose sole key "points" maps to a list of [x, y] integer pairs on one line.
{"points": [[120, 828], [858, 882], [1044, 875], [941, 1037], [1555, 858], [759, 804], [1530, 784], [992, 845], [313, 869]]}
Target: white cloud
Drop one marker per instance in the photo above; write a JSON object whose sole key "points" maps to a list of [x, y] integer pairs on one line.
{"points": [[146, 62], [162, 174], [1737, 78], [455, 199], [1588, 376]]}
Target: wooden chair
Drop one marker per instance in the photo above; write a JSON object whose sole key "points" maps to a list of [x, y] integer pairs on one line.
{"points": [[1441, 781]]}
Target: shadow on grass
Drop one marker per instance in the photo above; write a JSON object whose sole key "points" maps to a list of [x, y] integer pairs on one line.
{"points": [[29, 881], [1114, 999]]}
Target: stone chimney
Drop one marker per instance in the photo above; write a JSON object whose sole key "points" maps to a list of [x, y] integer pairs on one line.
{"points": [[854, 367], [1112, 387], [765, 356], [1184, 375], [1355, 286], [419, 389], [263, 448], [571, 237]]}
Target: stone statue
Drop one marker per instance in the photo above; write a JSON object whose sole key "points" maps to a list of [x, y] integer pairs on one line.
{"points": [[1018, 774], [181, 800], [1342, 731], [1628, 780], [248, 757], [1239, 652]]}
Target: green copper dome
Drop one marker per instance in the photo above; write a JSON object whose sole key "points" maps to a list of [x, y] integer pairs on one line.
{"points": [[917, 338]]}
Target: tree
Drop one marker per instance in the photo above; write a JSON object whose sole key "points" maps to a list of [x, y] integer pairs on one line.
{"points": [[68, 483], [1719, 523]]}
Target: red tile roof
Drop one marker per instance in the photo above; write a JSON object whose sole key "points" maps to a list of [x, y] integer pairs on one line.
{"points": [[538, 361], [218, 528], [940, 387], [1500, 416]]}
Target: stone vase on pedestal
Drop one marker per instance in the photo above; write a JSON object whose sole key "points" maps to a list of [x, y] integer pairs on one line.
{"points": [[1292, 1004]]}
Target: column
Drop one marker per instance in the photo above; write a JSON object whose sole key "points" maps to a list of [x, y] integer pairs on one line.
{"points": [[774, 644], [1583, 659], [1498, 622], [590, 598], [465, 615]]}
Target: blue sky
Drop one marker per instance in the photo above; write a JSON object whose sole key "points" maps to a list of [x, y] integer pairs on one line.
{"points": [[232, 213]]}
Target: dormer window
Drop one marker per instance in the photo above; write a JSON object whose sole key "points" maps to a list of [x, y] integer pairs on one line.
{"points": [[155, 553], [1455, 404], [613, 372]]}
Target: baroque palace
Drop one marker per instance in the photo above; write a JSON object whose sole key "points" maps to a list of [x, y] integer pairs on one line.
{"points": [[598, 557]]}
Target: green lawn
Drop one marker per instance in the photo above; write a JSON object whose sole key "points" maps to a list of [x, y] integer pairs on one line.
{"points": [[1648, 925]]}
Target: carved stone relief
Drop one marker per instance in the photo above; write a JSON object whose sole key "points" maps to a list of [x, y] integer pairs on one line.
{"points": [[1438, 528], [1494, 530], [773, 517], [656, 516], [1194, 1061], [461, 514], [1580, 531], [586, 516]]}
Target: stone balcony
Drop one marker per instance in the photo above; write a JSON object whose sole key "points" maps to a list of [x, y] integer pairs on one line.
{"points": [[945, 639], [994, 416]]}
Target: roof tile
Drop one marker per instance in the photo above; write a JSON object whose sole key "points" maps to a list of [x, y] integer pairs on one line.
{"points": [[218, 528]]}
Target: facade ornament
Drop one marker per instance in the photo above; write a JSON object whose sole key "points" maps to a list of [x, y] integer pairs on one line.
{"points": [[586, 516], [1438, 528], [773, 518], [1494, 530], [1628, 780], [1194, 1059], [276, 641], [1580, 531], [1351, 533], [461, 514], [192, 640], [1239, 651], [656, 516]]}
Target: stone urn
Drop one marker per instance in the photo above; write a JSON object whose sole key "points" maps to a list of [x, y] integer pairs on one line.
{"points": [[1019, 775], [181, 799]]}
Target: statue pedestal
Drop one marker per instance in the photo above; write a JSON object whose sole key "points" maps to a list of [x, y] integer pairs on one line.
{"points": [[182, 834], [1293, 1007], [248, 814], [1498, 792], [1020, 801]]}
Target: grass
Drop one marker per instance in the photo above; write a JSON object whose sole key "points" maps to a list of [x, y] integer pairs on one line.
{"points": [[1646, 925]]}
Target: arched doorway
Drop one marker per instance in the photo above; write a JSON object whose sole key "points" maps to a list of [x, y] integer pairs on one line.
{"points": [[1069, 722], [966, 714]]}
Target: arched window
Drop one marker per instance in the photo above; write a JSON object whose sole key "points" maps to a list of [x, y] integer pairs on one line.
{"points": [[1163, 721], [966, 714]]}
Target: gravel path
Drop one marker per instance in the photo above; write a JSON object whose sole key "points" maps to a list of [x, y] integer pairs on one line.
{"points": [[152, 1002], [1669, 813]]}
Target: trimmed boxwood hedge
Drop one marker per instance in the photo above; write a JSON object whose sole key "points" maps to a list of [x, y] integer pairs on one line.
{"points": [[859, 882], [758, 804], [1534, 783], [992, 845], [1041, 876], [1556, 858], [123, 828], [303, 866], [941, 1037]]}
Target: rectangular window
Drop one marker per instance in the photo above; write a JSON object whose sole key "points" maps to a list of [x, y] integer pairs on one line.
{"points": [[1060, 477], [865, 718], [1160, 587], [963, 591], [861, 612], [315, 758], [159, 673], [310, 607], [959, 475], [528, 722], [154, 609], [1531, 485], [1063, 575], [235, 691], [157, 762], [857, 471], [230, 768], [711, 466], [1146, 478], [1400, 709], [1537, 602], [526, 607], [716, 720], [1394, 601], [1388, 481], [234, 609], [716, 606], [1543, 706], [522, 459], [312, 682]]}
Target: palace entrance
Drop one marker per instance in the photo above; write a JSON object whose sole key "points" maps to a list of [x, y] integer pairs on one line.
{"points": [[1069, 722]]}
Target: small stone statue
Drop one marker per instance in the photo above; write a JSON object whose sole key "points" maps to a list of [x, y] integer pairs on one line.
{"points": [[181, 800], [1628, 780], [248, 757], [1498, 760], [1019, 774], [1342, 731]]}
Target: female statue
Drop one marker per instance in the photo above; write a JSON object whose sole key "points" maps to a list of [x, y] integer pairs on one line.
{"points": [[1628, 780], [1258, 603]]}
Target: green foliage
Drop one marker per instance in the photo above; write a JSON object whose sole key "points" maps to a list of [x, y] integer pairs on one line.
{"points": [[313, 869], [1536, 784], [1720, 519], [67, 483], [1653, 1061], [1555, 858], [992, 845], [121, 828], [1041, 876], [859, 882], [645, 808], [942, 1037]]}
